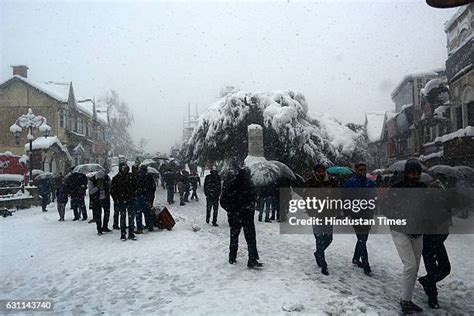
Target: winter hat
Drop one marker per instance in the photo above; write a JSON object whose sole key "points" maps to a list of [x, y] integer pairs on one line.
{"points": [[100, 174], [360, 163], [412, 165], [121, 165]]}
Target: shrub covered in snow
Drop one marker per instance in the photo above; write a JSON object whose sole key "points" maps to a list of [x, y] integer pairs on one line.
{"points": [[291, 134]]}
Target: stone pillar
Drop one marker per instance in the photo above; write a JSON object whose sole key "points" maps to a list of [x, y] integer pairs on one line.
{"points": [[255, 140]]}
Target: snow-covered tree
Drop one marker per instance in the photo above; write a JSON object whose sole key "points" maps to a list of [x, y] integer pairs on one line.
{"points": [[120, 119], [291, 134]]}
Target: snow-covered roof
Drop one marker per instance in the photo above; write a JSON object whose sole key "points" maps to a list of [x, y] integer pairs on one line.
{"points": [[412, 77], [463, 132], [374, 125], [438, 154], [11, 177], [432, 84], [440, 110], [406, 106], [45, 143], [455, 16], [60, 92], [57, 90], [8, 154], [254, 126]]}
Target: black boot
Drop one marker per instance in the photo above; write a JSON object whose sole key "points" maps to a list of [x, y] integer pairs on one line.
{"points": [[132, 237], [324, 270], [318, 260], [254, 264], [123, 237], [116, 227], [433, 302], [408, 307], [106, 229]]}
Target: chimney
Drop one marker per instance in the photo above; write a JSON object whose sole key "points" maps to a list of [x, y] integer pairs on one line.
{"points": [[20, 70]]}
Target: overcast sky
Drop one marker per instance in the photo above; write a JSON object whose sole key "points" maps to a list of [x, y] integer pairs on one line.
{"points": [[345, 57]]}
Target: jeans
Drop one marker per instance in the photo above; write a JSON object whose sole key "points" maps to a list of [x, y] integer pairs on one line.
{"points": [[436, 261], [170, 194], [212, 203], [360, 251], [141, 207], [97, 215], [265, 204], [61, 210], [322, 243], [122, 208], [239, 219], [409, 249], [79, 207]]}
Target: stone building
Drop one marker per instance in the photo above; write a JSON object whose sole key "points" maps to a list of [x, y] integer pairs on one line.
{"points": [[459, 146], [79, 124]]}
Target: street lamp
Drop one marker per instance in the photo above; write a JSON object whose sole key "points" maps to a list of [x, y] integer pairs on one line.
{"points": [[30, 121]]}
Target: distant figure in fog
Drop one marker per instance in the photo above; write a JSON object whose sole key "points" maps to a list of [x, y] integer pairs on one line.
{"points": [[194, 180], [61, 197], [169, 178], [44, 186]]}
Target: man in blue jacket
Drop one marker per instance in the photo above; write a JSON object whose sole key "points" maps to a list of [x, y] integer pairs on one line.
{"points": [[361, 256]]}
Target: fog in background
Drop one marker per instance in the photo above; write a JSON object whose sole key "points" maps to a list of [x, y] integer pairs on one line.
{"points": [[345, 57]]}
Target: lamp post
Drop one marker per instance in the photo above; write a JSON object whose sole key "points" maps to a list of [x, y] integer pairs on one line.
{"points": [[30, 121]]}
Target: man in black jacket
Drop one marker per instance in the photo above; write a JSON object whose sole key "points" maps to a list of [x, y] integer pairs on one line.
{"points": [[123, 193], [322, 233], [145, 195], [169, 178], [212, 190], [99, 195], [76, 186], [238, 199]]}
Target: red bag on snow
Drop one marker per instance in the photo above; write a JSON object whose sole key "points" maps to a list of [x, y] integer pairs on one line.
{"points": [[163, 218]]}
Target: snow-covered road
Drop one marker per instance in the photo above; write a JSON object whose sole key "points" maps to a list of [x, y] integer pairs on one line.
{"points": [[184, 272]]}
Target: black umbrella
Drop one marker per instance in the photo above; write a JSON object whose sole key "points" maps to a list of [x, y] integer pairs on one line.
{"points": [[446, 171], [399, 166]]}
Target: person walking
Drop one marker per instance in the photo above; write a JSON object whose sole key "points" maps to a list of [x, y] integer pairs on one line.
{"points": [[435, 256], [169, 178], [322, 233], [145, 195], [61, 197], [123, 192], [238, 199], [212, 191], [194, 180], [360, 181], [409, 246], [44, 188], [99, 196]]}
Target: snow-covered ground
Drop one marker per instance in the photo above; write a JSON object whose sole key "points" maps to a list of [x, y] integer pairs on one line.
{"points": [[182, 272]]}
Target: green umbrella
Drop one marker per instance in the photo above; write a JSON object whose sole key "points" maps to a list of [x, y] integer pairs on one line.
{"points": [[340, 171]]}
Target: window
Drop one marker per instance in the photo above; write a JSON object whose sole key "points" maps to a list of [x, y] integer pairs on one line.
{"points": [[470, 114], [76, 121], [87, 129], [63, 118], [80, 126], [458, 117]]}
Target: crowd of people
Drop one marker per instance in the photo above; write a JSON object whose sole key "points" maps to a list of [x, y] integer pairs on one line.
{"points": [[133, 193]]}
